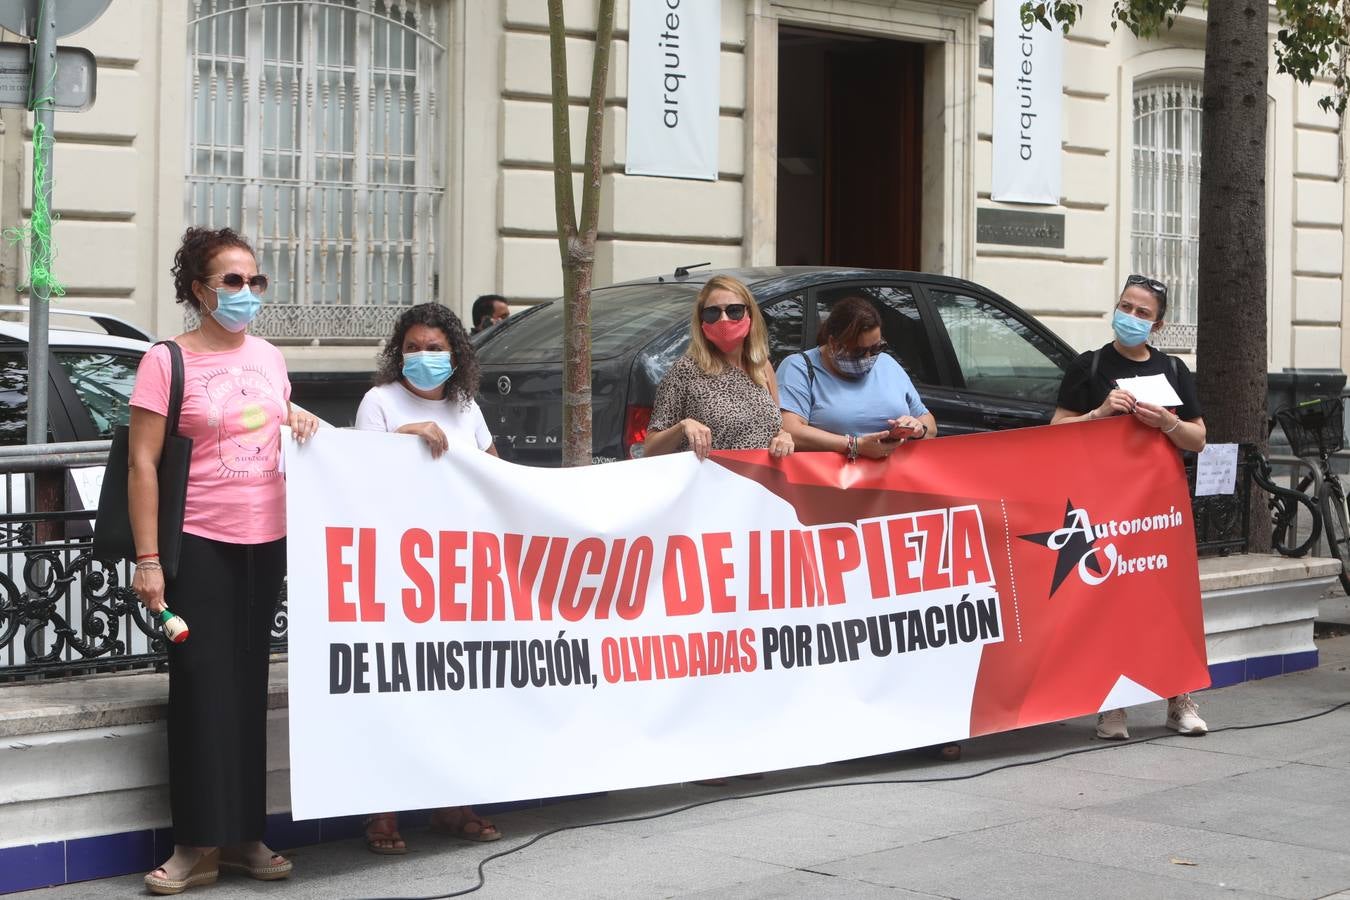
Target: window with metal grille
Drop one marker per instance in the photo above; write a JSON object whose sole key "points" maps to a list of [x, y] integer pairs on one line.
{"points": [[1165, 230], [315, 130]]}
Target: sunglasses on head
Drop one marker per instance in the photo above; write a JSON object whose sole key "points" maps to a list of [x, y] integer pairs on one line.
{"points": [[710, 314], [234, 281], [1157, 287], [876, 349]]}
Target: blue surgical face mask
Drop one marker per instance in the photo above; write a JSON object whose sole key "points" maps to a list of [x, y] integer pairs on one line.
{"points": [[235, 309], [854, 366], [1130, 330], [428, 369]]}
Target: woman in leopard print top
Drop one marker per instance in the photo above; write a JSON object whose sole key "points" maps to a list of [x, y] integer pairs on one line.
{"points": [[722, 394]]}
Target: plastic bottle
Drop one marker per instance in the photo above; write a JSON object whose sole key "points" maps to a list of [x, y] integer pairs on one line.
{"points": [[175, 629]]}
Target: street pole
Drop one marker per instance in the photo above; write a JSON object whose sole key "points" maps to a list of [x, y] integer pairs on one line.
{"points": [[40, 100]]}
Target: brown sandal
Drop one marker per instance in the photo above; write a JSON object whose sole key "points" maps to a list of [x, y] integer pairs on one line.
{"points": [[483, 833], [384, 827]]}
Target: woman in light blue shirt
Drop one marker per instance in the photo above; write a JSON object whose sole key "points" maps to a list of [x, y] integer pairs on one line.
{"points": [[848, 394]]}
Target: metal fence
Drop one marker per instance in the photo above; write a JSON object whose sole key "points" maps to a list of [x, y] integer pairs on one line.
{"points": [[62, 611]]}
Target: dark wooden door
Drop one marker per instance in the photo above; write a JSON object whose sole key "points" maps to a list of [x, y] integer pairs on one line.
{"points": [[873, 156]]}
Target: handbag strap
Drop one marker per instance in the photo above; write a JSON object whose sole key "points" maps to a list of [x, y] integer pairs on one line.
{"points": [[176, 381]]}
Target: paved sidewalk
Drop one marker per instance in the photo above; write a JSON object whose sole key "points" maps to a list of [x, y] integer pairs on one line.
{"points": [[1245, 813]]}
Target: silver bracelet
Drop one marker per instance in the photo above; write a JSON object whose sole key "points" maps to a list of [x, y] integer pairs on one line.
{"points": [[1175, 426]]}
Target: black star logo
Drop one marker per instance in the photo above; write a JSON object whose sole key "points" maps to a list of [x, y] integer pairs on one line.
{"points": [[1074, 549]]}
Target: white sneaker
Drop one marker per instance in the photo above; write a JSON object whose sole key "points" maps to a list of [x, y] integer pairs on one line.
{"points": [[1111, 726], [1183, 716]]}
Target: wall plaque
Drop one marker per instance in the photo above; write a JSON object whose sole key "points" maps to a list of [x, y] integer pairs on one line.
{"points": [[1019, 228]]}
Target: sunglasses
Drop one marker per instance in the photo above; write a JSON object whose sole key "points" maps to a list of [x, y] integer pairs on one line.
{"points": [[876, 349], [234, 281], [1157, 287], [710, 314]]}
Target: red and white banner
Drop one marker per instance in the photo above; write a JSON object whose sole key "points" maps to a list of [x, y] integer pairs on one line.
{"points": [[465, 630]]}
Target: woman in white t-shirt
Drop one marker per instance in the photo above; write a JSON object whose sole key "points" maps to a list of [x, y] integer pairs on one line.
{"points": [[425, 385]]}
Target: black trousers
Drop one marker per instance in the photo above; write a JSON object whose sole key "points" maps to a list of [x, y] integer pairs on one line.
{"points": [[227, 594]]}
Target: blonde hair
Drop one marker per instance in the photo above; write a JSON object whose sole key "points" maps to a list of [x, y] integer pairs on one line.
{"points": [[755, 348]]}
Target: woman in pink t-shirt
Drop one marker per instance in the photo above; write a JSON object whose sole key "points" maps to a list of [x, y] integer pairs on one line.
{"points": [[236, 397]]}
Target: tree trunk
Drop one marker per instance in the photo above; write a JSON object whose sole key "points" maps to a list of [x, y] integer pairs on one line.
{"points": [[1231, 353], [576, 240]]}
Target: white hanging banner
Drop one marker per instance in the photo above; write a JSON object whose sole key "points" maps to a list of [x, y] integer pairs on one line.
{"points": [[674, 84], [1028, 96]]}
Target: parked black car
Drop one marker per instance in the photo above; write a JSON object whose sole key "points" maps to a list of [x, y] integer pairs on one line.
{"points": [[979, 361]]}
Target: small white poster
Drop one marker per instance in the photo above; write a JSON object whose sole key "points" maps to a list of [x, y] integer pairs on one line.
{"points": [[674, 87], [1155, 389], [1216, 470], [1028, 96]]}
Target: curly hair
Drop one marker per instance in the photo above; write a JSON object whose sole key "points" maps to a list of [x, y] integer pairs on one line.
{"points": [[199, 247], [463, 382]]}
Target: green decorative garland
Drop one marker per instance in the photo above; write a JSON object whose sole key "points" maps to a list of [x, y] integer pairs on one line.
{"points": [[40, 274], [38, 231]]}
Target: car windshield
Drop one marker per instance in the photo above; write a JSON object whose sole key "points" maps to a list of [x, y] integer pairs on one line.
{"points": [[622, 318], [103, 379]]}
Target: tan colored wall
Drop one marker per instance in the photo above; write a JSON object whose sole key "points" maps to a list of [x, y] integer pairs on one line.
{"points": [[120, 168], [647, 225], [1072, 289], [1317, 237], [104, 172]]}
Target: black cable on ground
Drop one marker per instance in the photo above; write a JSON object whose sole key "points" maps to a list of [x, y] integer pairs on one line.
{"points": [[1113, 745]]}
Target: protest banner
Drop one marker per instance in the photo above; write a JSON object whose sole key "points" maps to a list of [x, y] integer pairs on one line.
{"points": [[465, 630]]}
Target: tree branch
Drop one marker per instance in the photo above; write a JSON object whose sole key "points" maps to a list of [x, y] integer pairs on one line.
{"points": [[595, 122], [562, 129]]}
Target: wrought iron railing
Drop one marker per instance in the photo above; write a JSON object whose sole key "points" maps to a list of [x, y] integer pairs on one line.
{"points": [[1221, 520], [62, 611]]}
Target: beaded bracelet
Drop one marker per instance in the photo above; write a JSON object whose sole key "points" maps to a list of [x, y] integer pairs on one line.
{"points": [[1175, 426]]}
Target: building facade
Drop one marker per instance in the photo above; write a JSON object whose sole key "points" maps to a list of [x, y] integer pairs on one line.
{"points": [[381, 153]]}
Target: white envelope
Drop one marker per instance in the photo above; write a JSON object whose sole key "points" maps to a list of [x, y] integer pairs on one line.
{"points": [[1155, 389]]}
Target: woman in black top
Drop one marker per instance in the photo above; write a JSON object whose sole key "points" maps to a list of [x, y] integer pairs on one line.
{"points": [[1090, 391], [1089, 388]]}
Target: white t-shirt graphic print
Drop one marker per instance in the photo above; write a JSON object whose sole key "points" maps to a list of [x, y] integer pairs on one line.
{"points": [[388, 407]]}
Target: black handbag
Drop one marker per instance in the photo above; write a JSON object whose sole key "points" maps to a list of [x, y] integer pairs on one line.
{"points": [[113, 539]]}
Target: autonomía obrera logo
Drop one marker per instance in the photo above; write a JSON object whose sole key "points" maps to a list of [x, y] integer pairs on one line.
{"points": [[1077, 543]]}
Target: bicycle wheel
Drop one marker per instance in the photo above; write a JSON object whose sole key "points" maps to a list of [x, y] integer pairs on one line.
{"points": [[1284, 510], [1337, 528]]}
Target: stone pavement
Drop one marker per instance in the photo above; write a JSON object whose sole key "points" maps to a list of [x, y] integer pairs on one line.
{"points": [[1261, 812]]}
